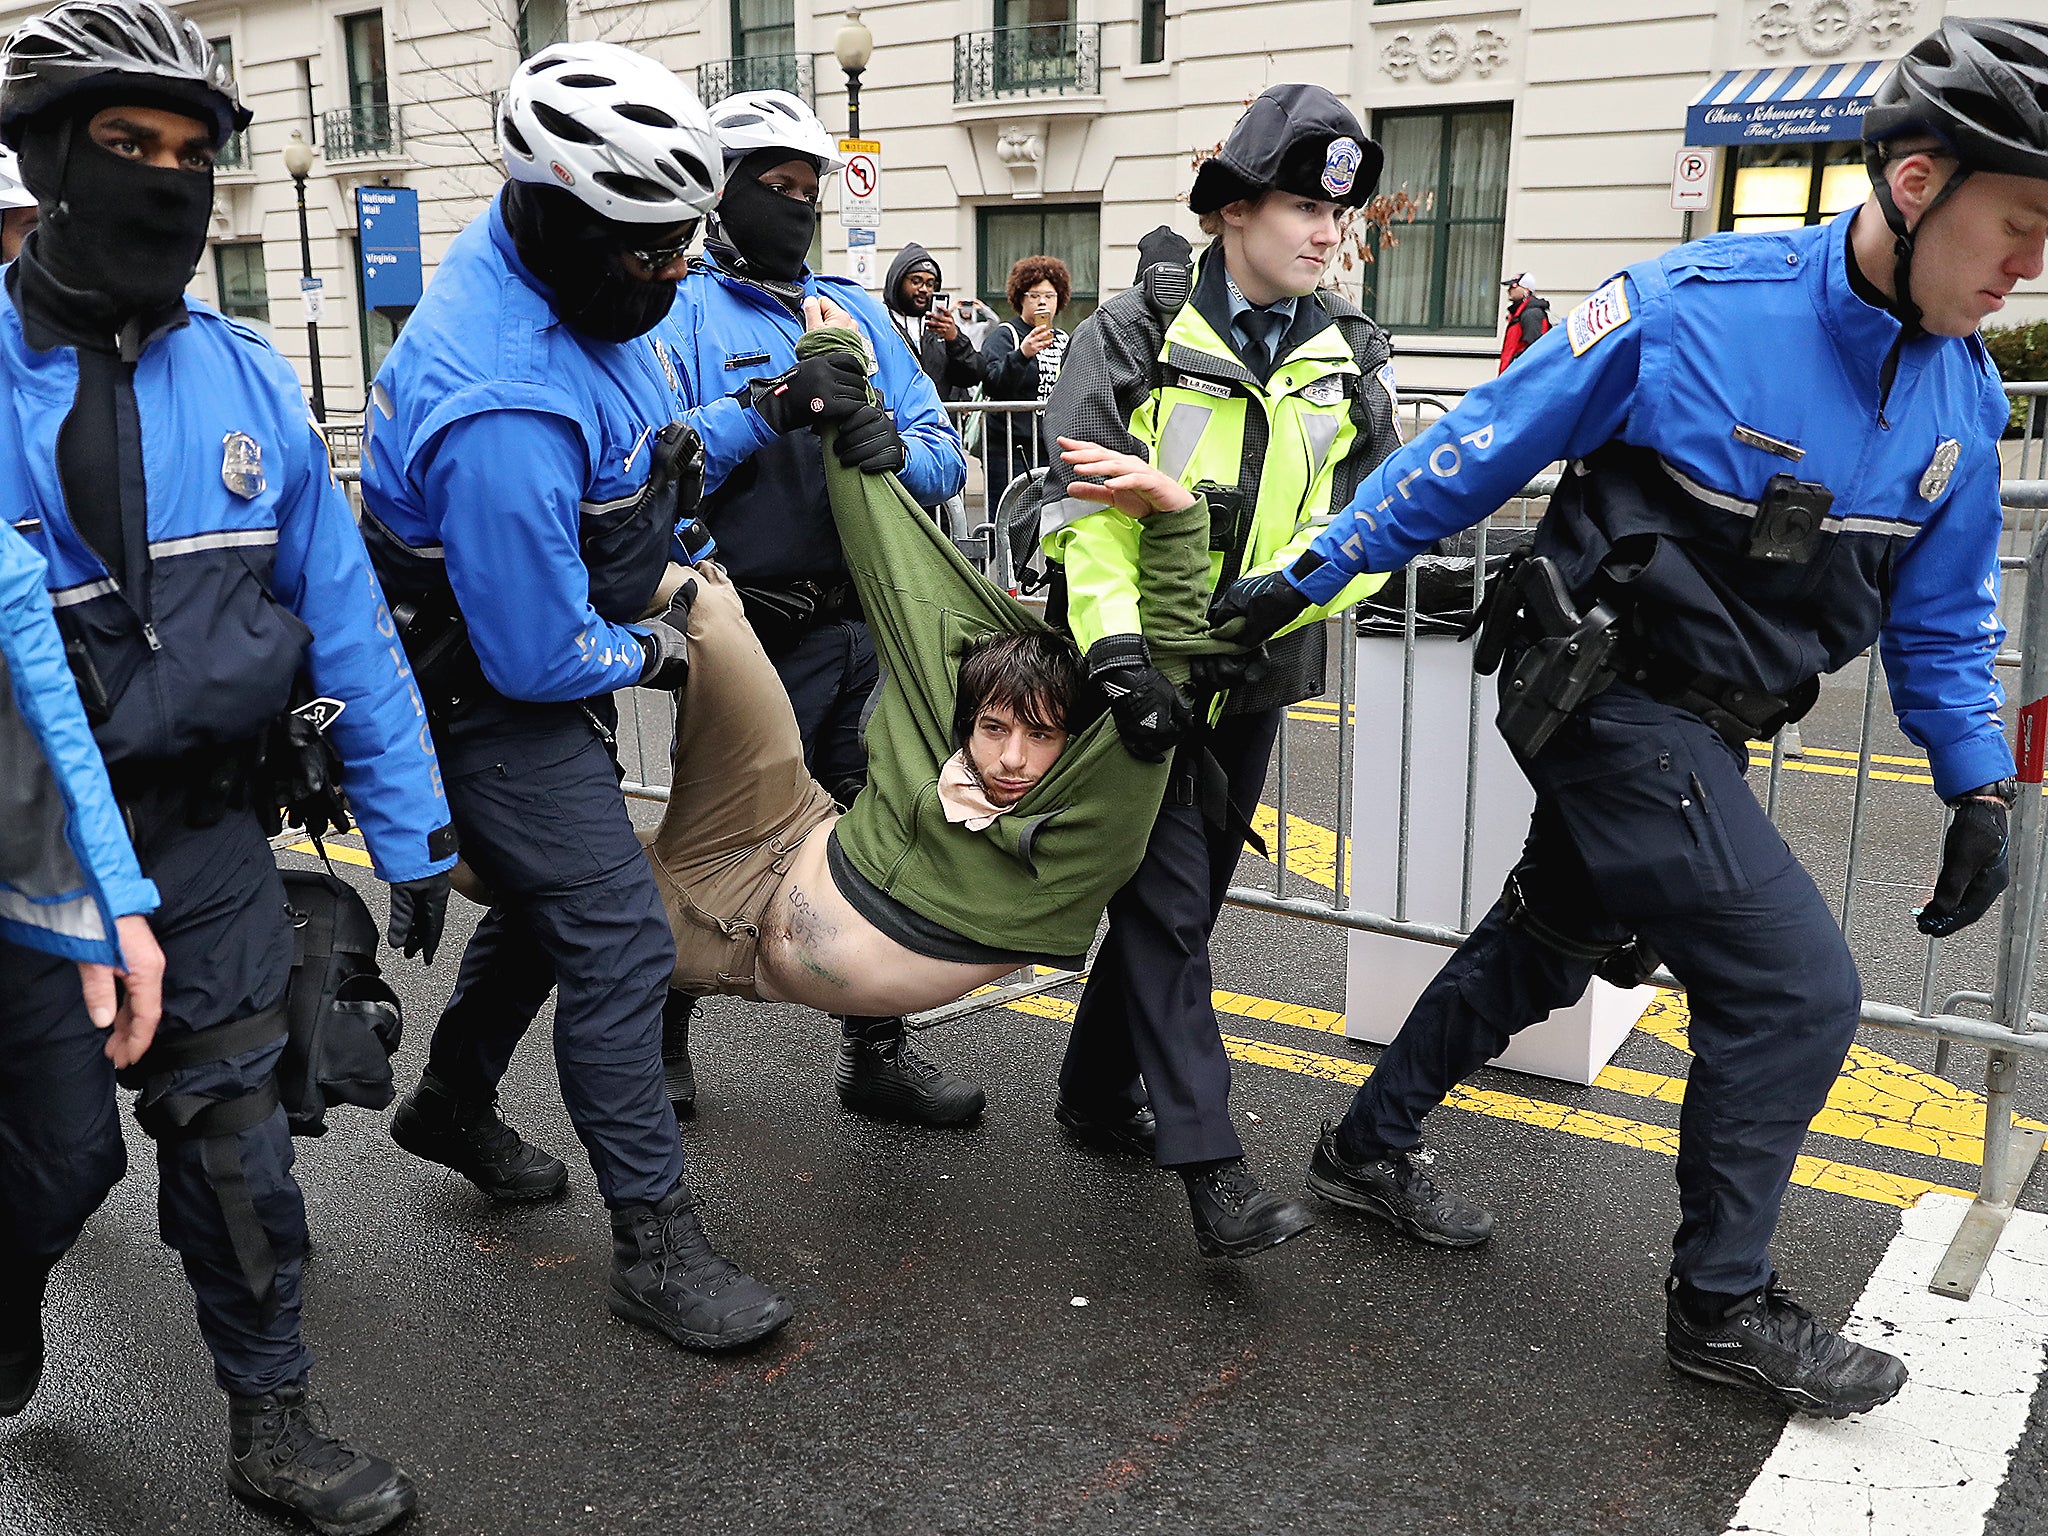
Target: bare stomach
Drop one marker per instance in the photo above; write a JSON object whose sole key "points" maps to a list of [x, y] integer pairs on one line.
{"points": [[818, 951]]}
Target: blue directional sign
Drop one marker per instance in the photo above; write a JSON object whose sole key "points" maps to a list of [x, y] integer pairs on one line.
{"points": [[388, 228]]}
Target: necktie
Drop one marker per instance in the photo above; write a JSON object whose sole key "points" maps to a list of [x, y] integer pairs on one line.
{"points": [[1257, 325]]}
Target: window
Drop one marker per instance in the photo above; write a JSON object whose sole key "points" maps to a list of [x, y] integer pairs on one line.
{"points": [[1073, 233], [309, 119], [1784, 186], [241, 280], [763, 28], [542, 23], [234, 155], [1036, 45], [367, 125], [1442, 273], [1151, 31]]}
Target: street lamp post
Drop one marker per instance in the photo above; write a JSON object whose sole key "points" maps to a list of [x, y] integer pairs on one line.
{"points": [[298, 163], [853, 47]]}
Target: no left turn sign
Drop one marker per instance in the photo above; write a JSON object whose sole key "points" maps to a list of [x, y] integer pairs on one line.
{"points": [[860, 184]]}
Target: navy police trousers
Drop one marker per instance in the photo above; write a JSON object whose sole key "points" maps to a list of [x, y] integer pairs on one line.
{"points": [[228, 951], [536, 800], [1644, 826]]}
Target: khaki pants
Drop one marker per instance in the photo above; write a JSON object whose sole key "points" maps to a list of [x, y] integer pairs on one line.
{"points": [[740, 803]]}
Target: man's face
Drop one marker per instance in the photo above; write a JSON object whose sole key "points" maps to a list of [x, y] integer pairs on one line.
{"points": [[796, 178], [169, 141], [664, 258], [918, 288], [1517, 293], [1286, 243], [15, 224], [1979, 244], [1010, 755]]}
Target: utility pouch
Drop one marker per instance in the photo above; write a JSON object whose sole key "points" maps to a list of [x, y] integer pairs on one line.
{"points": [[342, 1019], [436, 641], [1788, 520], [781, 616], [1564, 656]]}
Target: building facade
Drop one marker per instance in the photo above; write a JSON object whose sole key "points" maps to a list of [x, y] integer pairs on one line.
{"points": [[1546, 135]]}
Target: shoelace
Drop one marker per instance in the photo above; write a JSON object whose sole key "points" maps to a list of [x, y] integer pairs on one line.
{"points": [[910, 1061], [1235, 1182], [302, 1437], [703, 1267], [1805, 1330], [1415, 1181]]}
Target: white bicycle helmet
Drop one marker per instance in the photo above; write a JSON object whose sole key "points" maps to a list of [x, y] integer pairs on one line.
{"points": [[12, 193], [755, 120], [613, 128]]}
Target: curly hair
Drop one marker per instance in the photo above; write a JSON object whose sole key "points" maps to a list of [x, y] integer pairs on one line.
{"points": [[1030, 271]]}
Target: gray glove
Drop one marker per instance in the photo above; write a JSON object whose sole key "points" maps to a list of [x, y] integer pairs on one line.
{"points": [[667, 642]]}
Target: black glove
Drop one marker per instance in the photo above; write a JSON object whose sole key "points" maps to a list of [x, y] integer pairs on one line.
{"points": [[869, 442], [667, 642], [677, 468], [419, 908], [1151, 716], [1219, 674], [1973, 863], [819, 391], [1253, 609]]}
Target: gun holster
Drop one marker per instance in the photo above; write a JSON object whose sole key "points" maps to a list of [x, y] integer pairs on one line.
{"points": [[1557, 658], [436, 641]]}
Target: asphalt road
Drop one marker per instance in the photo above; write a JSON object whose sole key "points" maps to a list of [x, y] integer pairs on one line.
{"points": [[998, 1331]]}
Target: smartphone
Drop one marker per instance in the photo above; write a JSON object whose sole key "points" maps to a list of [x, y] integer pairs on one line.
{"points": [[942, 301]]}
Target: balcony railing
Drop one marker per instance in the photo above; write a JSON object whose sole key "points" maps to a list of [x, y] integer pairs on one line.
{"points": [[763, 72], [1061, 58], [360, 132], [233, 155]]}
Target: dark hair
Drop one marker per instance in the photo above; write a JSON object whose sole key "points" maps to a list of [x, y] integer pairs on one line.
{"points": [[1030, 271], [1035, 674]]}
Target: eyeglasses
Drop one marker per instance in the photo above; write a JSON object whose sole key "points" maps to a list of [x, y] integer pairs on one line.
{"points": [[660, 256]]}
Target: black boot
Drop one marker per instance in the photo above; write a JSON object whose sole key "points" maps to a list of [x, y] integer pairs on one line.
{"points": [[667, 1276], [1234, 1216], [468, 1136], [21, 1334], [280, 1457], [1132, 1133], [676, 1070], [1398, 1188], [1766, 1342], [881, 1076]]}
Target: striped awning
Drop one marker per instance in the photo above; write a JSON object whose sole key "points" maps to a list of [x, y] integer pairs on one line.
{"points": [[1794, 104]]}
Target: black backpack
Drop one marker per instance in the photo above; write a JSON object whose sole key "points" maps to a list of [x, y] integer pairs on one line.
{"points": [[342, 1018]]}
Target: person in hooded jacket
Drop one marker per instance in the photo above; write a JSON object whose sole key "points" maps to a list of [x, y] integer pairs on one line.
{"points": [[521, 501], [933, 334], [1528, 318], [201, 560], [734, 329]]}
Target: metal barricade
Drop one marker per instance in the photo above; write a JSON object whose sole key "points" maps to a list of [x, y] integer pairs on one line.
{"points": [[994, 525]]}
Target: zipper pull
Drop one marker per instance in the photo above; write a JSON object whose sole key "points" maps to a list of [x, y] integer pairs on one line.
{"points": [[149, 634]]}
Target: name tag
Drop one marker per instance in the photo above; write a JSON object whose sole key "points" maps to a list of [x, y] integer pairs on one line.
{"points": [[747, 360], [1202, 386], [1750, 437]]}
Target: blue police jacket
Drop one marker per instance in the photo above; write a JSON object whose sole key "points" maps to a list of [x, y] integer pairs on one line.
{"points": [[499, 445], [254, 570], [1676, 392], [765, 497], [66, 867]]}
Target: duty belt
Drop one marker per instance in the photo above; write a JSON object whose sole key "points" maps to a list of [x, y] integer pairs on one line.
{"points": [[208, 782], [784, 613], [1741, 714]]}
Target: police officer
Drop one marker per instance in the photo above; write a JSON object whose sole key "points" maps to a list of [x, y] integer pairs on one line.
{"points": [[521, 497], [1726, 534], [69, 886], [200, 559], [1275, 395], [734, 329]]}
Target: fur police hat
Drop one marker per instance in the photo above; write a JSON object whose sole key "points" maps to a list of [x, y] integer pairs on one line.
{"points": [[1294, 138]]}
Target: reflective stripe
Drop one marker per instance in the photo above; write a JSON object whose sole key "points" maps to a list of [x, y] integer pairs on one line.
{"points": [[600, 508], [28, 525], [198, 543], [75, 918], [1185, 424], [85, 592], [1321, 432], [1833, 522], [1720, 499], [422, 551]]}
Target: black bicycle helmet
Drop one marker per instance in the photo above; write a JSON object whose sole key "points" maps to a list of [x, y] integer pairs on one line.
{"points": [[95, 46]]}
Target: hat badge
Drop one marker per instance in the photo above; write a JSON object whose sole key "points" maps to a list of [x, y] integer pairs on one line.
{"points": [[1340, 166]]}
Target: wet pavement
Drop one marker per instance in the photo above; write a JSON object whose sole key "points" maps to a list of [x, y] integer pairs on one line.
{"points": [[997, 1330]]}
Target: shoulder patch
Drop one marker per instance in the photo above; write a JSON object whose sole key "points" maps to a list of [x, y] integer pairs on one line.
{"points": [[1603, 310], [1386, 378]]}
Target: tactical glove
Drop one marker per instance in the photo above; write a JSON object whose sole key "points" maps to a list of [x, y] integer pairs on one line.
{"points": [[868, 441], [818, 392], [419, 909], [1253, 609], [1219, 674], [677, 469], [1973, 862], [667, 642], [1150, 714]]}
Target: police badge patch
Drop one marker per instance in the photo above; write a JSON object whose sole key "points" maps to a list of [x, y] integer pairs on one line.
{"points": [[1327, 390], [241, 465], [1340, 166], [1935, 481]]}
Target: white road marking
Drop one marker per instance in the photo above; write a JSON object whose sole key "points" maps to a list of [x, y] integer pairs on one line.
{"points": [[1931, 1461]]}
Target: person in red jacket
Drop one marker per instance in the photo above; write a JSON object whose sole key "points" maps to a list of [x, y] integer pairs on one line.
{"points": [[1528, 318]]}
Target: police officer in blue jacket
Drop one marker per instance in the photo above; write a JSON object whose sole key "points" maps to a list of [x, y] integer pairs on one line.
{"points": [[734, 329], [1781, 448], [200, 560], [521, 472]]}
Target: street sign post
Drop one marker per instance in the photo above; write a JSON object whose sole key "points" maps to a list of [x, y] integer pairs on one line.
{"points": [[1692, 174]]}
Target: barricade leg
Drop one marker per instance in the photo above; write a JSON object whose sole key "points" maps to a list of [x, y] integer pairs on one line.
{"points": [[2009, 1154]]}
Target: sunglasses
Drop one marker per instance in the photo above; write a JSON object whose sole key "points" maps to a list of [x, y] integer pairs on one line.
{"points": [[658, 257]]}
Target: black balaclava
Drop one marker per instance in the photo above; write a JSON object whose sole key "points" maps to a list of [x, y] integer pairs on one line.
{"points": [[130, 232], [771, 233], [576, 252]]}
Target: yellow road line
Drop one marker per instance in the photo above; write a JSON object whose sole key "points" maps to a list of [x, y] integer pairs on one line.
{"points": [[339, 851], [1311, 849]]}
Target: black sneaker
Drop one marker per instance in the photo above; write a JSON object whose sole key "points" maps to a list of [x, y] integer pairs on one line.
{"points": [[1234, 1215], [677, 1073], [281, 1457], [1134, 1135], [470, 1138], [1768, 1343], [667, 1276], [21, 1335], [1397, 1188], [889, 1080]]}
